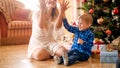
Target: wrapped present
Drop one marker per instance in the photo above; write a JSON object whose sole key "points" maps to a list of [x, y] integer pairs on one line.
{"points": [[98, 47], [116, 43], [96, 54], [108, 57], [96, 50], [109, 47], [98, 44]]}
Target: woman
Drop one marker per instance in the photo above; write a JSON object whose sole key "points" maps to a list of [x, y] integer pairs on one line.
{"points": [[46, 27]]}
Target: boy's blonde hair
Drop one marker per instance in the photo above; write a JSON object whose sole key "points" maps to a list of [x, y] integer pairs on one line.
{"points": [[86, 17]]}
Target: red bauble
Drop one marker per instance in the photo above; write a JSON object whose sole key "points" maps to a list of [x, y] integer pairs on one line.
{"points": [[108, 32], [83, 0], [91, 11], [105, 0], [77, 0], [115, 11]]}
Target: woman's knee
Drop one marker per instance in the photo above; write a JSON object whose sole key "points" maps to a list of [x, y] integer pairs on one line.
{"points": [[40, 54]]}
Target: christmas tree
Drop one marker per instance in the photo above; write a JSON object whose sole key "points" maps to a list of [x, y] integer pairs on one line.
{"points": [[106, 18]]}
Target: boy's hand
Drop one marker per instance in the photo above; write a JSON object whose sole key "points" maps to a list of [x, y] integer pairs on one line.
{"points": [[80, 41]]}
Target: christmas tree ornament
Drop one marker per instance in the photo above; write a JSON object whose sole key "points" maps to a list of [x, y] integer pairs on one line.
{"points": [[100, 20], [83, 1], [118, 25], [113, 1], [115, 17], [89, 3], [82, 11], [115, 11], [112, 13], [77, 1], [105, 0], [108, 31], [91, 11]]}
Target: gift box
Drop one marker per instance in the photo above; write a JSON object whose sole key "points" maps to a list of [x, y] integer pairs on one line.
{"points": [[96, 54], [96, 50], [98, 47], [108, 57], [116, 43]]}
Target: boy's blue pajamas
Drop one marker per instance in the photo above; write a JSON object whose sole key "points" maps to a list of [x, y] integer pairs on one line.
{"points": [[75, 55], [79, 52]]}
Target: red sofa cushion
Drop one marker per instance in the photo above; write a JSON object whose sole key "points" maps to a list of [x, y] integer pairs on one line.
{"points": [[21, 14]]}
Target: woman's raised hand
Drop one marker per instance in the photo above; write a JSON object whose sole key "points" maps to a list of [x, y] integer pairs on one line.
{"points": [[50, 3], [42, 4], [63, 6]]}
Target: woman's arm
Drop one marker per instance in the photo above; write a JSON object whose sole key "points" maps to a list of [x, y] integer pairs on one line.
{"points": [[45, 12], [46, 7], [63, 7], [58, 22], [42, 13]]}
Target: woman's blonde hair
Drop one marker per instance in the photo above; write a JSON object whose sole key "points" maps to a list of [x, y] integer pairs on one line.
{"points": [[54, 13]]}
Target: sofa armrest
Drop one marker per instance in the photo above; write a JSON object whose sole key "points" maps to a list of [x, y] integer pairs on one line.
{"points": [[5, 14], [19, 25], [3, 26]]}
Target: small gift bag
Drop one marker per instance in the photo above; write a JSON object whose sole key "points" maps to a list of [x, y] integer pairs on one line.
{"points": [[116, 43], [109, 47], [96, 49]]}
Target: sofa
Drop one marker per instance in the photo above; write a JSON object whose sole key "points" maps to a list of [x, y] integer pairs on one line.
{"points": [[15, 23]]}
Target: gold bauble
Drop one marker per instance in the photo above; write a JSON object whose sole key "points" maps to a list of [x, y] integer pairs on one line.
{"points": [[105, 0], [100, 20]]}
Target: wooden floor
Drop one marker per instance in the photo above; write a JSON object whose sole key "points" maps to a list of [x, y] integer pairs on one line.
{"points": [[15, 56]]}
